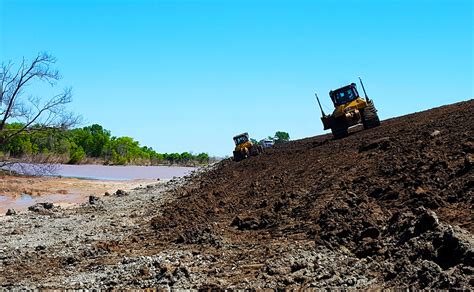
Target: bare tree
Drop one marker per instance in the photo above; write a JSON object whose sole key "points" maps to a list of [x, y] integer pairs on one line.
{"points": [[34, 113]]}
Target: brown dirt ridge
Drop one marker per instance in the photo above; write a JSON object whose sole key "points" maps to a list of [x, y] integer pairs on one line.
{"points": [[400, 195], [386, 207]]}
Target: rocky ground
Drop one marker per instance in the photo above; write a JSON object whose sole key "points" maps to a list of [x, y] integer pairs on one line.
{"points": [[382, 208]]}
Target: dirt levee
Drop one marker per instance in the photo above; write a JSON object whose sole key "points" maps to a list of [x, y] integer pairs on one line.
{"points": [[385, 207], [400, 195]]}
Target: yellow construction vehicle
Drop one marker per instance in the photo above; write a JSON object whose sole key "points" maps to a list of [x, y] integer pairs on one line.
{"points": [[245, 148], [349, 110]]}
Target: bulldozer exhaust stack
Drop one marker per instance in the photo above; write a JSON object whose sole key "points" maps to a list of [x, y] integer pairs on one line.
{"points": [[317, 98], [363, 88]]}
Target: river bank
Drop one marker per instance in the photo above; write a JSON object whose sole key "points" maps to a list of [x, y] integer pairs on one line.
{"points": [[51, 245], [20, 192], [66, 185]]}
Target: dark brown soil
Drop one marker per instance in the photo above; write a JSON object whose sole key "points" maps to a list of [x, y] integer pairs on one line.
{"points": [[378, 193]]}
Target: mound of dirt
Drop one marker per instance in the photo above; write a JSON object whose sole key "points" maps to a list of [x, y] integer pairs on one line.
{"points": [[386, 207], [397, 198]]}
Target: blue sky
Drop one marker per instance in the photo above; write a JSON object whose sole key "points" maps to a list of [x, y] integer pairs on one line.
{"points": [[188, 75]]}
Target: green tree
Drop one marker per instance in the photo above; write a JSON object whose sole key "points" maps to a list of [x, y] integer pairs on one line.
{"points": [[202, 158], [185, 157], [172, 157], [50, 141], [76, 154], [123, 150], [281, 137], [92, 139], [19, 145]]}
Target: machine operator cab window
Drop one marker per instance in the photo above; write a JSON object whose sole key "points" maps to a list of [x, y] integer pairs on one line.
{"points": [[240, 139], [344, 95]]}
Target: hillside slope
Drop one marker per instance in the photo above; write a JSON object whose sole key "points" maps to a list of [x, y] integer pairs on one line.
{"points": [[386, 207], [399, 196]]}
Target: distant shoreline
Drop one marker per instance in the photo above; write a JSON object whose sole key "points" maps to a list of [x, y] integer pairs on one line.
{"points": [[101, 172], [92, 161]]}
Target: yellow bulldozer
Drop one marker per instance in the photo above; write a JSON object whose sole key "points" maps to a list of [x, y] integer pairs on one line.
{"points": [[244, 147], [350, 109]]}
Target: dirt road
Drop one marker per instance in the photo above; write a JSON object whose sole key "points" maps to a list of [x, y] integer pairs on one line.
{"points": [[386, 207]]}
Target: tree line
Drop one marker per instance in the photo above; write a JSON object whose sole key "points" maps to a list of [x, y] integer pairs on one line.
{"points": [[42, 127], [91, 143]]}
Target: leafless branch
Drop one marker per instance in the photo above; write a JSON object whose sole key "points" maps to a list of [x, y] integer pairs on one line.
{"points": [[11, 86], [34, 112]]}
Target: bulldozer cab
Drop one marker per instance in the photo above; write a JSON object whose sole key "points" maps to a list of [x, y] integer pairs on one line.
{"points": [[344, 94], [240, 139]]}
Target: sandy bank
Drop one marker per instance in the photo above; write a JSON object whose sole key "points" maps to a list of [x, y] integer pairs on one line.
{"points": [[19, 192]]}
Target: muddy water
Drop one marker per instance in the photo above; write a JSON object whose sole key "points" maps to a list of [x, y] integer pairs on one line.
{"points": [[104, 172], [78, 182], [23, 201]]}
